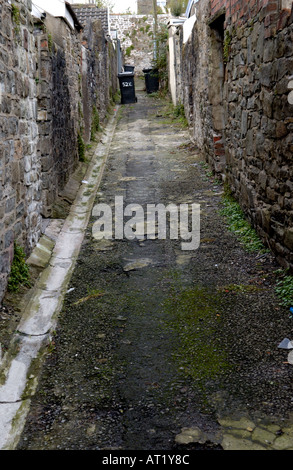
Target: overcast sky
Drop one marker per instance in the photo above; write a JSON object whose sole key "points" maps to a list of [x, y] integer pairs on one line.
{"points": [[122, 5]]}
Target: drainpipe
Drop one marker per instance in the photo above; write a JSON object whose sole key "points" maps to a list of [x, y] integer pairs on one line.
{"points": [[155, 30]]}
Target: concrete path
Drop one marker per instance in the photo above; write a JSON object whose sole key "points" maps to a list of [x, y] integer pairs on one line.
{"points": [[155, 348], [21, 363]]}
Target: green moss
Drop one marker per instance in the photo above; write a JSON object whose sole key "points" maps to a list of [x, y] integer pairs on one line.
{"points": [[9, 356], [19, 274], [117, 97], [80, 112], [50, 42], [179, 114], [284, 290], [238, 224], [129, 50], [80, 85], [95, 123], [15, 14], [81, 148], [193, 314], [227, 46], [173, 114], [239, 288]]}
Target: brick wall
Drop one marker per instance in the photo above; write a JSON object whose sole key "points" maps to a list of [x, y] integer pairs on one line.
{"points": [[274, 12], [239, 11]]}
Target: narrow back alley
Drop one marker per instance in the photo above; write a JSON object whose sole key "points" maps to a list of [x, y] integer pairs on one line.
{"points": [[156, 347], [146, 233]]}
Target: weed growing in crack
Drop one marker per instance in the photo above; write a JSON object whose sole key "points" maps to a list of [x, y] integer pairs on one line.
{"points": [[238, 224], [19, 274], [284, 290]]}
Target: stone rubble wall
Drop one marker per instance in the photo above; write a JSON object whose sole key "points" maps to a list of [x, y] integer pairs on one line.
{"points": [[136, 34], [78, 72], [59, 58], [234, 87], [51, 79], [21, 186], [99, 72], [259, 131]]}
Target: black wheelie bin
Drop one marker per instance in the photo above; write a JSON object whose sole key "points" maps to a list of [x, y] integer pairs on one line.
{"points": [[151, 80], [127, 87]]}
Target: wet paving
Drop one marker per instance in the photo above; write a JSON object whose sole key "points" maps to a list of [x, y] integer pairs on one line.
{"points": [[156, 347]]}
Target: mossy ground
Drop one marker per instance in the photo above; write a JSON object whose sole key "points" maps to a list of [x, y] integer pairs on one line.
{"points": [[166, 346]]}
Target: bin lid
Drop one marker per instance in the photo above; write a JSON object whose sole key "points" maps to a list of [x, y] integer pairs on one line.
{"points": [[125, 74]]}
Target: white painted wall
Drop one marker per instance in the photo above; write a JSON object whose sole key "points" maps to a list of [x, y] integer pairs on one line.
{"points": [[173, 38], [87, 2], [286, 4], [172, 78], [55, 8]]}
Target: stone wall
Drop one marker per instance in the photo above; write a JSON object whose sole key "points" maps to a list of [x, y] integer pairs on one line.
{"points": [[77, 79], [234, 75], [136, 34], [20, 169], [99, 72], [59, 59], [194, 67], [52, 79], [259, 130]]}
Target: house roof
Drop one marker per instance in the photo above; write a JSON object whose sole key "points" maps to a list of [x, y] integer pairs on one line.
{"points": [[86, 13]]}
